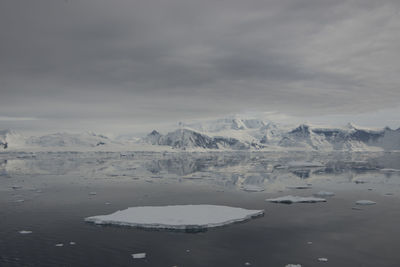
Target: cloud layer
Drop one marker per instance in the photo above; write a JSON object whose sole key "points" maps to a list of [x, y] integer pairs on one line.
{"points": [[134, 62]]}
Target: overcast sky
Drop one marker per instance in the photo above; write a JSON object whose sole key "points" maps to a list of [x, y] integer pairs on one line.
{"points": [[125, 65]]}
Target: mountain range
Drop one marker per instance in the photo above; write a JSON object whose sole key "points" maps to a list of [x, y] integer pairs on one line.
{"points": [[232, 133]]}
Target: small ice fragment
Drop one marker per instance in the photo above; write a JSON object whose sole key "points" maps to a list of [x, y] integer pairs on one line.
{"points": [[323, 259], [59, 245], [252, 188], [72, 243], [139, 255], [306, 186], [188, 250], [365, 202], [360, 182], [92, 193], [309, 243], [24, 232], [15, 187], [107, 203], [324, 194], [293, 265], [247, 263], [19, 200], [295, 199], [355, 208]]}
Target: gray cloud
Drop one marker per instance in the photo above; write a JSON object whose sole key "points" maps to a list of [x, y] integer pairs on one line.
{"points": [[135, 62]]}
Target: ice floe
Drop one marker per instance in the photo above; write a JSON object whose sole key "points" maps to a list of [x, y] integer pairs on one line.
{"points": [[59, 245], [25, 232], [304, 186], [365, 202], [323, 259], [293, 265], [252, 188], [324, 194], [294, 164], [180, 217], [295, 199], [139, 255]]}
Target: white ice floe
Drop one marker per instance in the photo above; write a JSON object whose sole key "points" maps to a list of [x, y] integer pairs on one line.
{"points": [[181, 217], [139, 255], [293, 265], [72, 243], [323, 259], [247, 263], [324, 194], [59, 245], [390, 170], [252, 188], [365, 202], [296, 199], [294, 164], [25, 232]]}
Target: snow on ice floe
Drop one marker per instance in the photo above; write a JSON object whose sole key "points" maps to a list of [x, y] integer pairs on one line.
{"points": [[139, 255], [324, 194], [252, 188], [179, 217], [296, 199], [365, 202], [293, 265]]}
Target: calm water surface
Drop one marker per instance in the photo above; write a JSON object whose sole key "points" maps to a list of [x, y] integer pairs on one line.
{"points": [[51, 193]]}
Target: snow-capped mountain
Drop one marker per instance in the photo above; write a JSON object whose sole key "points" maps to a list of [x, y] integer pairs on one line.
{"points": [[186, 138], [233, 133], [236, 133], [69, 140], [9, 138]]}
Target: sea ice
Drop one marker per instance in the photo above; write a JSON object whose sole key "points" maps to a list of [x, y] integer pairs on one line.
{"points": [[324, 194], [305, 186], [181, 217], [304, 164], [139, 255], [365, 202], [24, 232], [323, 259], [252, 188], [293, 265], [59, 245], [295, 199]]}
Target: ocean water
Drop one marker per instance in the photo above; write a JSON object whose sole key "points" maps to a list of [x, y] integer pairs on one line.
{"points": [[50, 194]]}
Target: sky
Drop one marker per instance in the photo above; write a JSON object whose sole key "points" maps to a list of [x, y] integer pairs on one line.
{"points": [[133, 65]]}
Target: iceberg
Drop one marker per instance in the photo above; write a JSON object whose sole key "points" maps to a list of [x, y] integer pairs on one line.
{"points": [[296, 199], [178, 217]]}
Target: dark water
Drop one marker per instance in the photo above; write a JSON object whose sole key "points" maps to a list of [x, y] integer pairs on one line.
{"points": [[56, 191]]}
